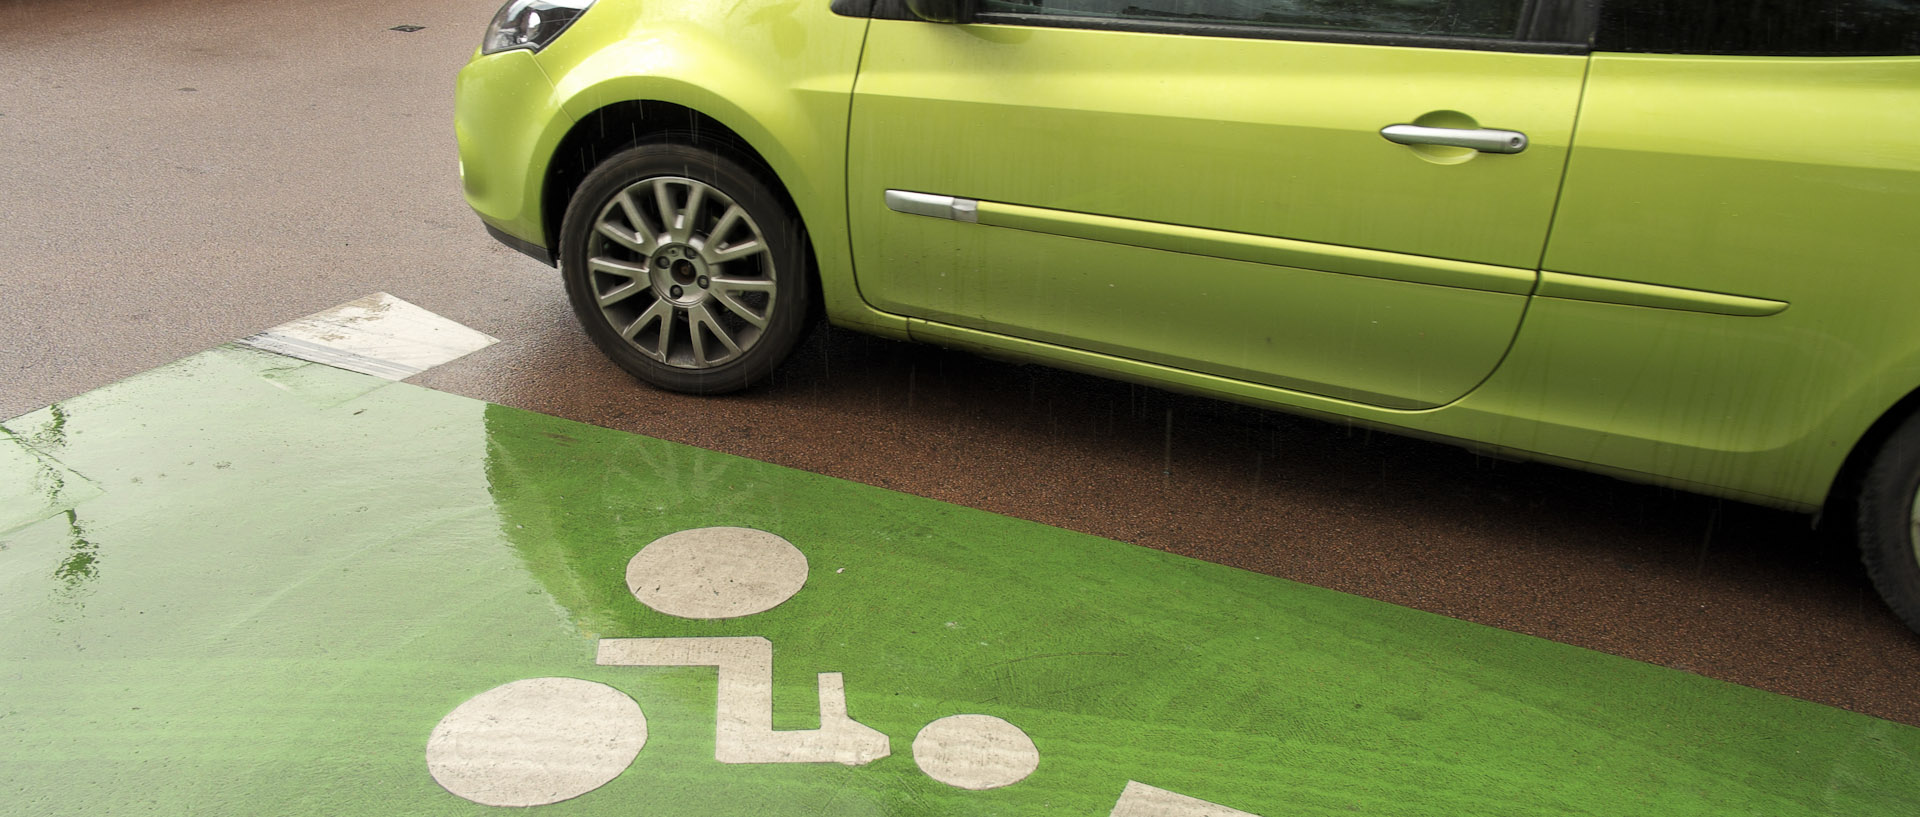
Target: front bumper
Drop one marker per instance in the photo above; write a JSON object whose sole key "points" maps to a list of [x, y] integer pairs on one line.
{"points": [[507, 122]]}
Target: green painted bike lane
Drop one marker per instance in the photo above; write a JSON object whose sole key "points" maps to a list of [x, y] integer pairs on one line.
{"points": [[245, 584]]}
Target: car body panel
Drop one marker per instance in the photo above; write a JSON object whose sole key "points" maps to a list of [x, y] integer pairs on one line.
{"points": [[1370, 340], [1218, 204], [508, 120], [1790, 179]]}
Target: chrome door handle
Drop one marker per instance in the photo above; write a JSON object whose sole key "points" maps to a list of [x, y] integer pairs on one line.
{"points": [[1483, 140]]}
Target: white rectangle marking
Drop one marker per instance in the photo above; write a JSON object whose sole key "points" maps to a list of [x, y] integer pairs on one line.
{"points": [[1142, 800], [378, 335]]}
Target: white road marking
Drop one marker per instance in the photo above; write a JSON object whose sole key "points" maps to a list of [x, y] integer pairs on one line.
{"points": [[709, 573], [534, 742], [975, 752], [745, 709], [378, 335], [1142, 800]]}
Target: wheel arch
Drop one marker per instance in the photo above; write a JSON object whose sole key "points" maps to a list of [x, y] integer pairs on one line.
{"points": [[617, 126], [614, 127], [1846, 482]]}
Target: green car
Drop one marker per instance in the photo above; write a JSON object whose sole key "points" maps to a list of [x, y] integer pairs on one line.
{"points": [[1673, 241]]}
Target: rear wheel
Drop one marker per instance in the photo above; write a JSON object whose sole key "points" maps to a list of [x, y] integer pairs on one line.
{"points": [[1889, 521], [685, 268]]}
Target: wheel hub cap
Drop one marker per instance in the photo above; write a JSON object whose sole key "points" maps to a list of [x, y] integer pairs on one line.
{"points": [[680, 275], [681, 272]]}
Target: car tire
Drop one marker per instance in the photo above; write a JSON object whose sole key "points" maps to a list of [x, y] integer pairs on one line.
{"points": [[1889, 521], [685, 268]]}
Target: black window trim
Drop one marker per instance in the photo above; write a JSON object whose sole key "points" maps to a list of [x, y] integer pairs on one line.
{"points": [[1608, 36], [1548, 27], [853, 8]]}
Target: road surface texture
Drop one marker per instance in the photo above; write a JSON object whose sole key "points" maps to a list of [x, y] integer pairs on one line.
{"points": [[175, 175]]}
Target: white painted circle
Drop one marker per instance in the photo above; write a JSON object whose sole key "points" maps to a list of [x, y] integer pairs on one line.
{"points": [[534, 742], [975, 752], [716, 573]]}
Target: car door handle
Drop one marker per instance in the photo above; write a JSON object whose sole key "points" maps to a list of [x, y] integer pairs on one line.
{"points": [[1484, 140]]}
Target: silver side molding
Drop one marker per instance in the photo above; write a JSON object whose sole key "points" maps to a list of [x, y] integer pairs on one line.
{"points": [[927, 204]]}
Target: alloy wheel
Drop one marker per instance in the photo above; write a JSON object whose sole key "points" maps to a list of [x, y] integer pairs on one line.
{"points": [[681, 272]]}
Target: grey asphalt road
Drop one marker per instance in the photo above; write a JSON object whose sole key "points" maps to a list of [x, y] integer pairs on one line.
{"points": [[175, 175]]}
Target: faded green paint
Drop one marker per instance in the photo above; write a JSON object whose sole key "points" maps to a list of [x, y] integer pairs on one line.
{"points": [[33, 483], [297, 571]]}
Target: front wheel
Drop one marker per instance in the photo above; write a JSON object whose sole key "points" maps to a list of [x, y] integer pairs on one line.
{"points": [[1889, 521], [685, 268]]}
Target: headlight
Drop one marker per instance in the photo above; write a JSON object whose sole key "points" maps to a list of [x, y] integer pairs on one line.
{"points": [[530, 24]]}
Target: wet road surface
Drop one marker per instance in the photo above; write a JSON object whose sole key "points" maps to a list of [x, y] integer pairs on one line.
{"points": [[172, 177], [297, 589]]}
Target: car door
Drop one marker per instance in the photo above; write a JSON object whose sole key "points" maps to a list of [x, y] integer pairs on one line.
{"points": [[1728, 298], [1205, 184]]}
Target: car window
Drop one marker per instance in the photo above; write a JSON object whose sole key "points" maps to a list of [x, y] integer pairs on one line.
{"points": [[1776, 27], [1456, 18]]}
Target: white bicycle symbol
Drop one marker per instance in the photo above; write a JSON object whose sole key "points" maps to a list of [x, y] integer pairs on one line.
{"points": [[544, 740]]}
